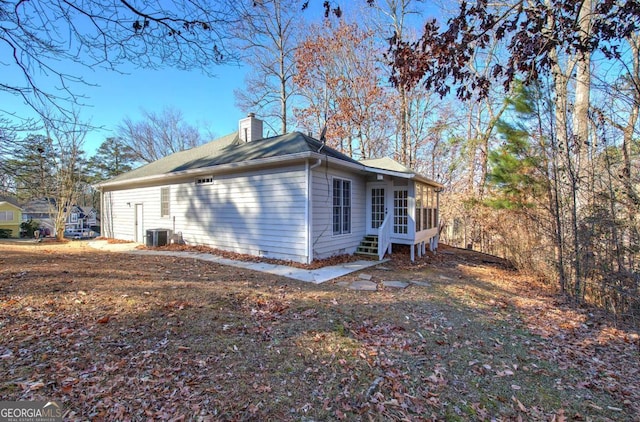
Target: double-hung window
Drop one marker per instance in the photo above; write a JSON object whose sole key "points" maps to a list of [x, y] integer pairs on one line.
{"points": [[6, 215], [164, 202], [341, 206]]}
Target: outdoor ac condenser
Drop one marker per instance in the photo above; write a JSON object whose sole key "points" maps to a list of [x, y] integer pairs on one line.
{"points": [[158, 237]]}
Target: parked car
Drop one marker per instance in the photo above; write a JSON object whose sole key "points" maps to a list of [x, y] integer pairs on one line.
{"points": [[78, 234]]}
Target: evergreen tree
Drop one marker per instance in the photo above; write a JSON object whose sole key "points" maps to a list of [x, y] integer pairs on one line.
{"points": [[513, 173], [32, 166], [112, 158]]}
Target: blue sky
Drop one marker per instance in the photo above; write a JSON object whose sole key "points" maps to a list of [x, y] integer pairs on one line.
{"points": [[206, 102]]}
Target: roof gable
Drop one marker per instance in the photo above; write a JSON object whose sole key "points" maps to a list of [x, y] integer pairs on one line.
{"points": [[389, 164], [4, 204], [39, 206]]}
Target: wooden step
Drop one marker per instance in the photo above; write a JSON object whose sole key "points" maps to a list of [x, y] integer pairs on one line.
{"points": [[368, 246], [371, 254]]}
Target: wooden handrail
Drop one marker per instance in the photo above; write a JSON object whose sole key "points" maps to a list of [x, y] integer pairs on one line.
{"points": [[384, 236]]}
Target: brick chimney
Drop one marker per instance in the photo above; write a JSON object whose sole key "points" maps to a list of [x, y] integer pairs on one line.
{"points": [[250, 128]]}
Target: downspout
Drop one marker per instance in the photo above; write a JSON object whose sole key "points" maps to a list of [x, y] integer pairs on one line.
{"points": [[102, 232], [438, 209], [309, 208]]}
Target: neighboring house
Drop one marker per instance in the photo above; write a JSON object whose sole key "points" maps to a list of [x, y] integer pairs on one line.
{"points": [[288, 197], [10, 218], [42, 210], [81, 219]]}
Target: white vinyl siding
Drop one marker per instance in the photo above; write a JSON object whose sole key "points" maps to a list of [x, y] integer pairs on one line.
{"points": [[260, 213], [325, 243], [118, 212]]}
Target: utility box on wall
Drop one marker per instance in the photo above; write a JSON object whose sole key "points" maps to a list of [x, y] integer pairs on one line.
{"points": [[158, 237]]}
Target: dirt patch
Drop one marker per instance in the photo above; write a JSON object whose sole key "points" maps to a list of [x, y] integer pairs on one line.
{"points": [[118, 336]]}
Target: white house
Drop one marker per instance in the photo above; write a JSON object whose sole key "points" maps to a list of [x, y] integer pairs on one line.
{"points": [[287, 197]]}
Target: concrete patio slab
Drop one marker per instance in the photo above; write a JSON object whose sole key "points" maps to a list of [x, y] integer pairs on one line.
{"points": [[395, 284], [317, 276], [364, 285]]}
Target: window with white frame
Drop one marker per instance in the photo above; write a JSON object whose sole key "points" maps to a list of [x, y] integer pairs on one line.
{"points": [[430, 208], [6, 215], [164, 202], [418, 207], [434, 208], [341, 206], [425, 207], [377, 207], [401, 211]]}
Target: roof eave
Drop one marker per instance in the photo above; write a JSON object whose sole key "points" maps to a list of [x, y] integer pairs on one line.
{"points": [[208, 170], [403, 175]]}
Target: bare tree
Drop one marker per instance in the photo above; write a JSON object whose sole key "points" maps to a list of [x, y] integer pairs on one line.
{"points": [[67, 140], [341, 83], [51, 166], [396, 14], [267, 35], [158, 134], [41, 38]]}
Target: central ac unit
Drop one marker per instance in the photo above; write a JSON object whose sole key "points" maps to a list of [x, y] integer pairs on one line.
{"points": [[158, 237]]}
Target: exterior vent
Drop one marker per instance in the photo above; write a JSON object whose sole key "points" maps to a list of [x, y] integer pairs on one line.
{"points": [[158, 237], [208, 180]]}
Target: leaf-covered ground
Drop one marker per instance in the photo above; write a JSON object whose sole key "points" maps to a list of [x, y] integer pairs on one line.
{"points": [[120, 337]]}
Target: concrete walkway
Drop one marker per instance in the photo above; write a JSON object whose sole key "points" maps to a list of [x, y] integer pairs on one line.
{"points": [[316, 276]]}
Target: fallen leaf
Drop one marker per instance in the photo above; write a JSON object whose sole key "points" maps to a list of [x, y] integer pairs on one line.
{"points": [[520, 405], [33, 386]]}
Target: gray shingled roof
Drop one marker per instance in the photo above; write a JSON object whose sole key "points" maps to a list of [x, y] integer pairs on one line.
{"points": [[171, 162], [230, 149]]}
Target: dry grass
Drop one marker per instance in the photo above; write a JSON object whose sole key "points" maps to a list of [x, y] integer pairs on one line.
{"points": [[123, 337]]}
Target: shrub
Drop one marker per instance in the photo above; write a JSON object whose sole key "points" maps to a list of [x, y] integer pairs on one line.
{"points": [[28, 227]]}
